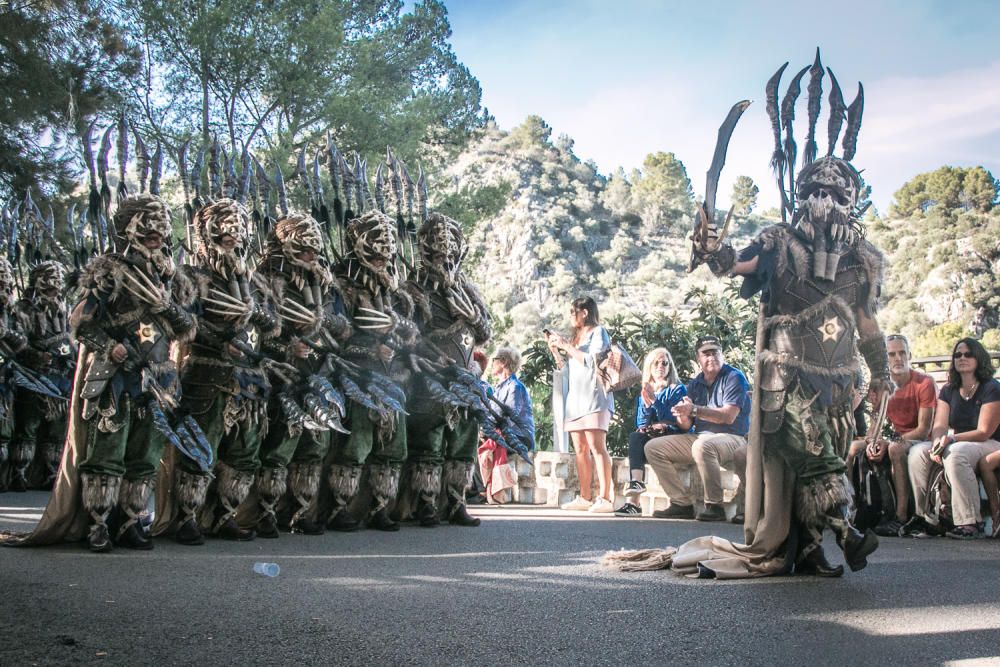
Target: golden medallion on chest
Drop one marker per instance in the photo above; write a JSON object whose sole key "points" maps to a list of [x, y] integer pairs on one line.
{"points": [[831, 329], [147, 333]]}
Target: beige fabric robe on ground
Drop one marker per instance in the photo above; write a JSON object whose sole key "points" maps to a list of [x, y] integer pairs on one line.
{"points": [[769, 499]]}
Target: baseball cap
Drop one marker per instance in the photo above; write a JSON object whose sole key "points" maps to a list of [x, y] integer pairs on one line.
{"points": [[707, 341]]}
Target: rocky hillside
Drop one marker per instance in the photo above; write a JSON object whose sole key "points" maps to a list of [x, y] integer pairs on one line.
{"points": [[545, 227]]}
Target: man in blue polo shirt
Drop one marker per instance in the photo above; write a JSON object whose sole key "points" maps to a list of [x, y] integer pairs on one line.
{"points": [[718, 405]]}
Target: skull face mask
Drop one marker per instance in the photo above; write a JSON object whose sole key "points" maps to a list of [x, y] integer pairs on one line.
{"points": [[372, 239], [144, 220], [6, 283], [297, 237], [442, 248], [224, 231], [48, 280], [827, 195]]}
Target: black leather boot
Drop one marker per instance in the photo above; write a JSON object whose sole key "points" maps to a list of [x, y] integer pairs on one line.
{"points": [[816, 564], [133, 538], [228, 529], [267, 526], [380, 521], [189, 533], [857, 546], [426, 514], [459, 516], [343, 522]]}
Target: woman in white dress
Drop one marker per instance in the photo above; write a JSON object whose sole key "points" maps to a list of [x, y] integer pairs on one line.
{"points": [[588, 407]]}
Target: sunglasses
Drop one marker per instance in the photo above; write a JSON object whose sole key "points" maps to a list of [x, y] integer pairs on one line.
{"points": [[967, 355]]}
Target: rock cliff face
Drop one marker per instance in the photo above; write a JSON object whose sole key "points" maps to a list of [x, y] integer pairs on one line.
{"points": [[551, 235], [942, 268], [545, 227]]}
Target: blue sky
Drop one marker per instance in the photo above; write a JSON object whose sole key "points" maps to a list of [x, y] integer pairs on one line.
{"points": [[627, 78]]}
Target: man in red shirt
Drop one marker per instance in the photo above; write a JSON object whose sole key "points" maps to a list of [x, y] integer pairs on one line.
{"points": [[911, 413]]}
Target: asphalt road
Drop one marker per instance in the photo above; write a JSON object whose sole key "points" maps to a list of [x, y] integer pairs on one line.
{"points": [[524, 588]]}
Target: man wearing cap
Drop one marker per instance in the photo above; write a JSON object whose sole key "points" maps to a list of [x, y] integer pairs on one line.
{"points": [[718, 406]]}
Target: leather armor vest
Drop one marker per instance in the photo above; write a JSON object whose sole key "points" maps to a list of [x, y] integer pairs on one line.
{"points": [[810, 326], [453, 335]]}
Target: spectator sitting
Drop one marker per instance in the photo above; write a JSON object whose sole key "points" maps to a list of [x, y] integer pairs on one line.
{"points": [[966, 430], [910, 411], [510, 391], [718, 406], [661, 391]]}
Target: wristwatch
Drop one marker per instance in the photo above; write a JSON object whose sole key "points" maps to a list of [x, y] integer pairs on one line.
{"points": [[694, 412]]}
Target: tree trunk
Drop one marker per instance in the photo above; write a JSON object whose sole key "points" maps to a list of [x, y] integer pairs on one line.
{"points": [[204, 102]]}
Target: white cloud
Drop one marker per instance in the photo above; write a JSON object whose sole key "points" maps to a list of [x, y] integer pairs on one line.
{"points": [[911, 125]]}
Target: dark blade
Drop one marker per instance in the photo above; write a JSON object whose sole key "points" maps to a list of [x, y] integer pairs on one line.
{"points": [[88, 154], [142, 160], [719, 158]]}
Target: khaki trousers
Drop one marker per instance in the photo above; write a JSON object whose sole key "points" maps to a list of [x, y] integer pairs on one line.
{"points": [[708, 451], [960, 461]]}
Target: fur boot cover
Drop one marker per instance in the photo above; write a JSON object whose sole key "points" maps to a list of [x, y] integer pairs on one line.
{"points": [[232, 487], [190, 491], [133, 498], [384, 481], [457, 478], [303, 482], [344, 483], [820, 496], [99, 493]]}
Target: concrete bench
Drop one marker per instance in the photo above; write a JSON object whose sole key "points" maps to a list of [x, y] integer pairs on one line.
{"points": [[553, 481]]}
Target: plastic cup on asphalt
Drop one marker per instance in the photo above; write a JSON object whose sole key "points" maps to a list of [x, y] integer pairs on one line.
{"points": [[267, 569]]}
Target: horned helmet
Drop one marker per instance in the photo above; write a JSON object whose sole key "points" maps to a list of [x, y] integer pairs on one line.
{"points": [[140, 218], [442, 248], [824, 200], [372, 242], [48, 279], [7, 285], [214, 223]]}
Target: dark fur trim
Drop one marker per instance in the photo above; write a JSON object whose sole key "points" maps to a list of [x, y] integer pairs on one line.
{"points": [[232, 485], [874, 262], [303, 481], [344, 482], [425, 479], [457, 476], [190, 490], [272, 483], [99, 493], [384, 482], [133, 494], [819, 496], [769, 357]]}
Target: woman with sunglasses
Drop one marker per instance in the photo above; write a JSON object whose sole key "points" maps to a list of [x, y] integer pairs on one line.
{"points": [[661, 391], [966, 430], [588, 407]]}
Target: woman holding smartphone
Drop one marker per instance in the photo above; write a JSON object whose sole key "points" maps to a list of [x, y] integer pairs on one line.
{"points": [[588, 407]]}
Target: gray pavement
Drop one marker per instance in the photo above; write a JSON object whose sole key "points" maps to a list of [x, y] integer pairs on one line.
{"points": [[524, 588]]}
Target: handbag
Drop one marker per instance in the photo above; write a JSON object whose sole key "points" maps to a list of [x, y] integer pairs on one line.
{"points": [[616, 369]]}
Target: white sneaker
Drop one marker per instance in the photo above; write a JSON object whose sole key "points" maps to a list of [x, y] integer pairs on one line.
{"points": [[578, 504], [602, 506]]}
